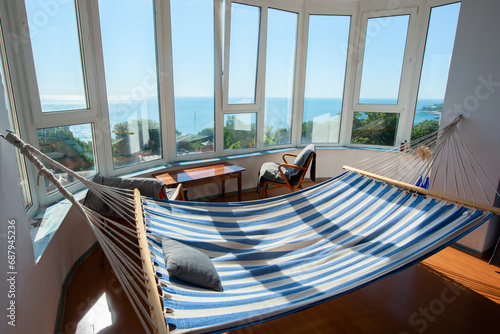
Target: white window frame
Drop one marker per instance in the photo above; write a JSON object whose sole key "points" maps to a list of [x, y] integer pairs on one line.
{"points": [[27, 98], [294, 6], [327, 9], [31, 207], [405, 86], [422, 26], [244, 107], [62, 118], [104, 152]]}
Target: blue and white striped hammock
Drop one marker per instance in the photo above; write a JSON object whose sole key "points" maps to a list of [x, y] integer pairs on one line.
{"points": [[280, 255]]}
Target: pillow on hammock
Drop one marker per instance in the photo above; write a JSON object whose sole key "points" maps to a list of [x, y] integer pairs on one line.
{"points": [[190, 265]]}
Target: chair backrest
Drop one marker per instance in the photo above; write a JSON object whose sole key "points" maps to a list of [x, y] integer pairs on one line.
{"points": [[302, 159], [148, 187]]}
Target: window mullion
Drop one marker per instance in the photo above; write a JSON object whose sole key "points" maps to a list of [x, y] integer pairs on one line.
{"points": [[219, 11], [300, 78], [166, 83], [100, 103], [261, 77]]}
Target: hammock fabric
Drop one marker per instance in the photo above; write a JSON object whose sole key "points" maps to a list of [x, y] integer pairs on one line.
{"points": [[280, 255]]}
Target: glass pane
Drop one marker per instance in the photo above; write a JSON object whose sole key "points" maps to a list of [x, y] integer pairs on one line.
{"points": [[436, 65], [325, 77], [239, 131], [280, 76], [14, 124], [72, 147], [243, 53], [383, 59], [193, 60], [374, 128], [129, 50], [56, 51]]}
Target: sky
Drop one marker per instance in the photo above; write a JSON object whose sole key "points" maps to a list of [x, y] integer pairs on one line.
{"points": [[128, 35], [383, 57], [326, 55]]}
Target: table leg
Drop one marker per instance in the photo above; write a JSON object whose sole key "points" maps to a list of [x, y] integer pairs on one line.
{"points": [[223, 188], [239, 187]]}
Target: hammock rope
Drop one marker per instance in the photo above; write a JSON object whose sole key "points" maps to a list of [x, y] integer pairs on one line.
{"points": [[132, 278], [460, 174]]}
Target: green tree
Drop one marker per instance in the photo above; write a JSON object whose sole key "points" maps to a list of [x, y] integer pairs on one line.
{"points": [[62, 140], [307, 128], [238, 139], [424, 128], [374, 128]]}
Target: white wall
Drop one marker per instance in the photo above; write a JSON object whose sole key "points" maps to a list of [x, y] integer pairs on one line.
{"points": [[476, 61], [37, 286]]}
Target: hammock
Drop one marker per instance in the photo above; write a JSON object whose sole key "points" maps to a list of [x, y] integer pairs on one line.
{"points": [[278, 255]]}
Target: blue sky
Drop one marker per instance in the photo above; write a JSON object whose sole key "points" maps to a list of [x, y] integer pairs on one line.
{"points": [[327, 56], [129, 51], [437, 55]]}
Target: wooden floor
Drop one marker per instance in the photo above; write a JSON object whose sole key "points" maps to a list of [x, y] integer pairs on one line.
{"points": [[450, 292]]}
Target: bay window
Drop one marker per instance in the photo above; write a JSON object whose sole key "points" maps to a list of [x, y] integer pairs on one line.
{"points": [[117, 87]]}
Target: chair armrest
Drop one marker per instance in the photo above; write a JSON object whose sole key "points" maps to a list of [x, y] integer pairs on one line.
{"points": [[291, 166], [290, 155], [283, 173]]}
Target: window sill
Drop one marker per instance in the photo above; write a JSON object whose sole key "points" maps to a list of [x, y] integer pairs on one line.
{"points": [[46, 221]]}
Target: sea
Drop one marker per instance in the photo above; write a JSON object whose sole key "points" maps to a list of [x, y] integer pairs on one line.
{"points": [[196, 113]]}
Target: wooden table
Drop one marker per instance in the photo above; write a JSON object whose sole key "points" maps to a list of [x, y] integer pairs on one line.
{"points": [[203, 175]]}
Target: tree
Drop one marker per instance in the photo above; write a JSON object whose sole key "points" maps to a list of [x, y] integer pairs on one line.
{"points": [[307, 128], [374, 128], [61, 142], [424, 128], [237, 139]]}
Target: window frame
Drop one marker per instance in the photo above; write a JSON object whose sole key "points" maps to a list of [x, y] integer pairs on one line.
{"points": [[407, 71], [244, 107], [423, 26], [30, 207], [293, 6], [71, 117], [26, 91], [349, 66]]}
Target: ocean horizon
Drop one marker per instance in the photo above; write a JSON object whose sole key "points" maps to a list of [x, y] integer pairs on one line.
{"points": [[194, 114]]}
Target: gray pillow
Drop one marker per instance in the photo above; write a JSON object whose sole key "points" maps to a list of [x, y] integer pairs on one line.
{"points": [[190, 265]]}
